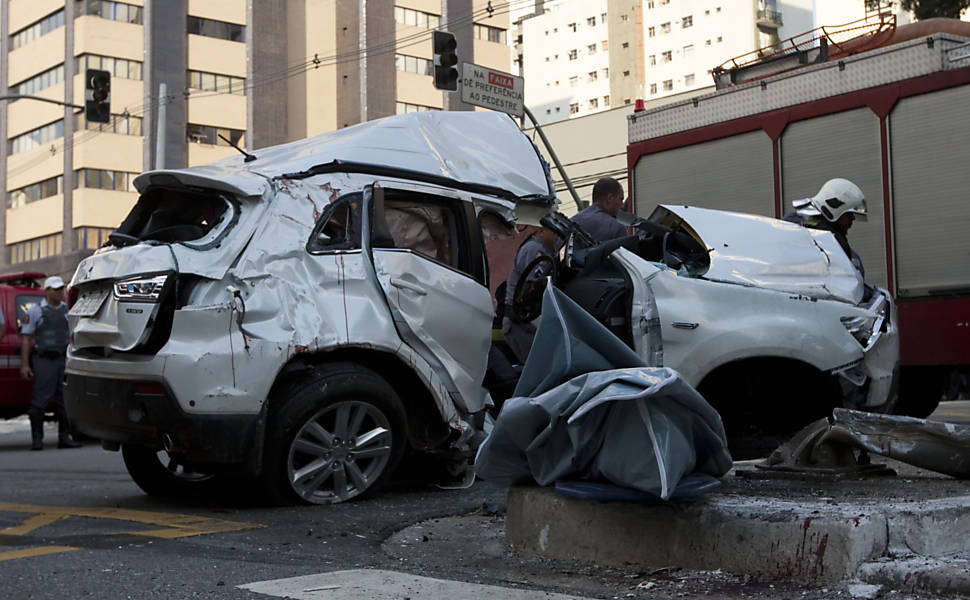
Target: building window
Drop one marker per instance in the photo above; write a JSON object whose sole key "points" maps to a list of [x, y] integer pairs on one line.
{"points": [[606, 73], [688, 50], [649, 3], [573, 54], [720, 39], [707, 12], [689, 79], [707, 43], [413, 64], [651, 32], [668, 85], [626, 44], [605, 44], [36, 191], [489, 34], [35, 249], [547, 59], [217, 29], [664, 2], [666, 56], [626, 73], [214, 82], [603, 18], [37, 29], [416, 18], [574, 108], [405, 107], [118, 67], [665, 27], [106, 9], [591, 49], [572, 26], [40, 82], [718, 9], [573, 81], [92, 238], [36, 138], [624, 17], [593, 75], [594, 102], [124, 124], [209, 134], [687, 21], [606, 100], [652, 60], [653, 88], [105, 180], [591, 21]]}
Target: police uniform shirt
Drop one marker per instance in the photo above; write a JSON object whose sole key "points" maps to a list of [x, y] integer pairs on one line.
{"points": [[599, 224], [34, 314], [530, 250]]}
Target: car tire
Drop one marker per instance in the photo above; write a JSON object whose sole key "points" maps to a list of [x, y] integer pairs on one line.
{"points": [[332, 436], [163, 475]]}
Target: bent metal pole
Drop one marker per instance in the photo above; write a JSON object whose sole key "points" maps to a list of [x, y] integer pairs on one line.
{"points": [[555, 159]]}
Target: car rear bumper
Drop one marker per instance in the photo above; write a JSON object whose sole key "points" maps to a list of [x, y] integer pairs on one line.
{"points": [[133, 412]]}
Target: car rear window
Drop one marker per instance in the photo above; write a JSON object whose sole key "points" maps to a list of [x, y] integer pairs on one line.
{"points": [[176, 215]]}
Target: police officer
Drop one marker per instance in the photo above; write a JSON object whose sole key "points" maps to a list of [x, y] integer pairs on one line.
{"points": [[599, 219], [45, 336], [518, 331], [834, 208]]}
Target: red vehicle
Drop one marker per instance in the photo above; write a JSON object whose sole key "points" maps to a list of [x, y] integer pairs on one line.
{"points": [[884, 107], [18, 292]]}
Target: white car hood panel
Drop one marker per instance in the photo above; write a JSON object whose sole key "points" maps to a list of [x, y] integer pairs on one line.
{"points": [[773, 254], [481, 148]]}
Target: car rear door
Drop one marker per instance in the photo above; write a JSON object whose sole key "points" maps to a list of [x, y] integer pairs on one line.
{"points": [[644, 314], [427, 254]]}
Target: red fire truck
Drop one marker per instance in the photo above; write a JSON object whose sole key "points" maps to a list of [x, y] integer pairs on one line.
{"points": [[18, 292], [884, 107]]}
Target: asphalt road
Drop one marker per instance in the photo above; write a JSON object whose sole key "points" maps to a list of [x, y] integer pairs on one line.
{"points": [[73, 525]]}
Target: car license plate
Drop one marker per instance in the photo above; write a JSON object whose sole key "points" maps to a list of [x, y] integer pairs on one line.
{"points": [[89, 303]]}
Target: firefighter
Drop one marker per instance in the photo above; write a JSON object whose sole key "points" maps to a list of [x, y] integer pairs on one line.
{"points": [[599, 219], [517, 329], [834, 208], [42, 351]]}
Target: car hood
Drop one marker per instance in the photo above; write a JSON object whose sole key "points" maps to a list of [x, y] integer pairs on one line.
{"points": [[769, 253], [467, 148]]}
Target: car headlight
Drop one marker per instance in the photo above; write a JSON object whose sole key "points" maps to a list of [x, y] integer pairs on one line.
{"points": [[867, 329], [141, 289]]}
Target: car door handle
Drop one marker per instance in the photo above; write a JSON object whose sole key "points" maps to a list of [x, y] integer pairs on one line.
{"points": [[685, 325], [400, 283]]}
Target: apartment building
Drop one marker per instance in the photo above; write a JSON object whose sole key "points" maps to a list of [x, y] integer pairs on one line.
{"points": [[650, 49], [238, 72]]}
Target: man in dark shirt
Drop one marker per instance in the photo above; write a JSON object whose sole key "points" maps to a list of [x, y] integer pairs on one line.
{"points": [[599, 219]]}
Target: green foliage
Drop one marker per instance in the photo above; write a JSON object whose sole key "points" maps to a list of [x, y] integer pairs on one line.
{"points": [[927, 9]]}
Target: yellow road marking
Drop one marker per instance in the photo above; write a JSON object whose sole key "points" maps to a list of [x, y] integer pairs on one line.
{"points": [[173, 525], [35, 551], [32, 523]]}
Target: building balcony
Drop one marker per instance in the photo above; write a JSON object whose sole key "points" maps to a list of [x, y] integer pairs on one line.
{"points": [[769, 18]]}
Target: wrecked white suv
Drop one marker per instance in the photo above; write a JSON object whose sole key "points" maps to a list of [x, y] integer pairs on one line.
{"points": [[305, 316]]}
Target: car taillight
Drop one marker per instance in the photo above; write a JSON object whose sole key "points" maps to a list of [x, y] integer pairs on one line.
{"points": [[71, 296], [149, 389], [140, 290]]}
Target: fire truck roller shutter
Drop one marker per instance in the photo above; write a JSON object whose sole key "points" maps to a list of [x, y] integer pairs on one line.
{"points": [[847, 145], [733, 173], [931, 179]]}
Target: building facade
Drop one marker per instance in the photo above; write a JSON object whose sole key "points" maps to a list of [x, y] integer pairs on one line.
{"points": [[650, 49], [253, 73]]}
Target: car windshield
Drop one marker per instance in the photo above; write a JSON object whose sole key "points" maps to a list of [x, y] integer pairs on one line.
{"points": [[174, 215]]}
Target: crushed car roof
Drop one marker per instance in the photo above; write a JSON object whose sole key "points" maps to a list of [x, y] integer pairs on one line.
{"points": [[774, 254], [472, 149]]}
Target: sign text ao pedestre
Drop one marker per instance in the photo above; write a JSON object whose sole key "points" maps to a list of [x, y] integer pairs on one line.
{"points": [[488, 88]]}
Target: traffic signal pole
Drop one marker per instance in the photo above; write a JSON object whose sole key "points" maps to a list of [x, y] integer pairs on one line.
{"points": [[23, 97], [555, 159]]}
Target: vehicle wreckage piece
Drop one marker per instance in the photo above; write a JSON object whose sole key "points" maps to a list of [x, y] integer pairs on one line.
{"points": [[587, 408], [826, 447]]}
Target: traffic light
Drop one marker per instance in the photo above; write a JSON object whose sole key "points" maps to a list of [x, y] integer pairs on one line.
{"points": [[445, 60], [97, 96]]}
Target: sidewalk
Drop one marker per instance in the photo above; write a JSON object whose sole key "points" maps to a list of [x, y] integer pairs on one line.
{"points": [[910, 532]]}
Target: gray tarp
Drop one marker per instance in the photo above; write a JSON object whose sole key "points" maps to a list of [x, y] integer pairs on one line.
{"points": [[586, 407]]}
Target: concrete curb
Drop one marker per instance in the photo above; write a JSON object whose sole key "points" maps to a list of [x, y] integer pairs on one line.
{"points": [[949, 576], [808, 541]]}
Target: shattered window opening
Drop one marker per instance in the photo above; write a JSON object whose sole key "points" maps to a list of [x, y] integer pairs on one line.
{"points": [[339, 227], [175, 215]]}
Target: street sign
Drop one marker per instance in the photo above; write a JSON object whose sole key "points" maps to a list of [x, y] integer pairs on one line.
{"points": [[493, 89]]}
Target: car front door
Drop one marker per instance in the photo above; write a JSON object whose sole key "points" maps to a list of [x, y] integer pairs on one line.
{"points": [[427, 255]]}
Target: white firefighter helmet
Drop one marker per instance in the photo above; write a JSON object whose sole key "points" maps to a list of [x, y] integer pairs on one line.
{"points": [[837, 197]]}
